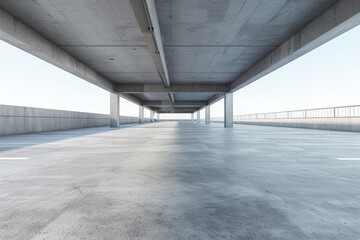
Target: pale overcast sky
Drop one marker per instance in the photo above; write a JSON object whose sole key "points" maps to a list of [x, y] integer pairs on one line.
{"points": [[328, 76]]}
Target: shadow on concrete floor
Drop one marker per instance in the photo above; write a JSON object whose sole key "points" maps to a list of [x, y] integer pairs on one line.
{"points": [[11, 142]]}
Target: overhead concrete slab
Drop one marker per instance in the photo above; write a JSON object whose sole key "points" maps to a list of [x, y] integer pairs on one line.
{"points": [[207, 42], [215, 41], [102, 34]]}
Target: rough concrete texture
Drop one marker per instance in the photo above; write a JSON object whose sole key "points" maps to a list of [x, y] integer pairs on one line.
{"points": [[232, 42], [338, 124], [20, 120], [180, 180], [228, 110]]}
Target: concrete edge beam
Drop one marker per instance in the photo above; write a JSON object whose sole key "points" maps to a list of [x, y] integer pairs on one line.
{"points": [[157, 88], [188, 109], [21, 36], [338, 19], [168, 103], [146, 16], [341, 17], [130, 98]]}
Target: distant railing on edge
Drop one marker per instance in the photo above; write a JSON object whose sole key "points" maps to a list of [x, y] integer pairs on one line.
{"points": [[332, 112]]}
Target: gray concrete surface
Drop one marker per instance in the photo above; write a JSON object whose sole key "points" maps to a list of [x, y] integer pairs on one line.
{"points": [[207, 114], [141, 114], [228, 110], [216, 44], [180, 180], [152, 116], [337, 124], [114, 110], [20, 120]]}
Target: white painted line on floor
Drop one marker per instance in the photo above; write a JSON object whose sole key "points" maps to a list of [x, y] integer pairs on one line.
{"points": [[348, 159], [13, 158]]}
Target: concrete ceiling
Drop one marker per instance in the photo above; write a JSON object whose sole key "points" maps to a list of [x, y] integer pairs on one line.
{"points": [[104, 34], [209, 41], [205, 41]]}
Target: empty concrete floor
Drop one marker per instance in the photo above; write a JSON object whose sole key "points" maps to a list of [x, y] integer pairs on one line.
{"points": [[178, 180]]}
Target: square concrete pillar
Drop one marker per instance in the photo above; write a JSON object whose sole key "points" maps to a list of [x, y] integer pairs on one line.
{"points": [[114, 110], [158, 117], [192, 117], [141, 114], [198, 116], [207, 114], [151, 116], [228, 110]]}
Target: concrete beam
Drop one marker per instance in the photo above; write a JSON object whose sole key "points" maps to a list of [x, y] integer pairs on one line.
{"points": [[174, 111], [207, 114], [215, 98], [18, 34], [228, 110], [170, 109], [175, 104], [183, 88], [131, 98], [146, 16], [171, 97], [341, 17], [114, 110]]}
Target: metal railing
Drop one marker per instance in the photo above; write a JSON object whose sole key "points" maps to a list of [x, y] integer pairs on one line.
{"points": [[331, 112]]}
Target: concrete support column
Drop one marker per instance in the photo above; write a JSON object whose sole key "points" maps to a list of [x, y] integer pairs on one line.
{"points": [[192, 117], [158, 117], [207, 114], [114, 110], [141, 114], [151, 116], [228, 110], [198, 116]]}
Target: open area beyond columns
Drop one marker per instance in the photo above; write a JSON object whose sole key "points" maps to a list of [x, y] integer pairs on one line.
{"points": [[186, 181]]}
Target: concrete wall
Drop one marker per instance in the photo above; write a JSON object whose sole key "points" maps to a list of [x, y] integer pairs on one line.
{"points": [[128, 120], [337, 124], [20, 120]]}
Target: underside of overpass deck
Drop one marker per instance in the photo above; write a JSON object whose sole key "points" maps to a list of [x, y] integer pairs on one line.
{"points": [[177, 180], [180, 180], [176, 56]]}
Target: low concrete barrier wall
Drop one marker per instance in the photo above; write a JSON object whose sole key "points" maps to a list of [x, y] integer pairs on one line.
{"points": [[20, 120], [337, 124]]}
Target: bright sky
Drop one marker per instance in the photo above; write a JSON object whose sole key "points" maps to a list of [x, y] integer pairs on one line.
{"points": [[328, 76]]}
